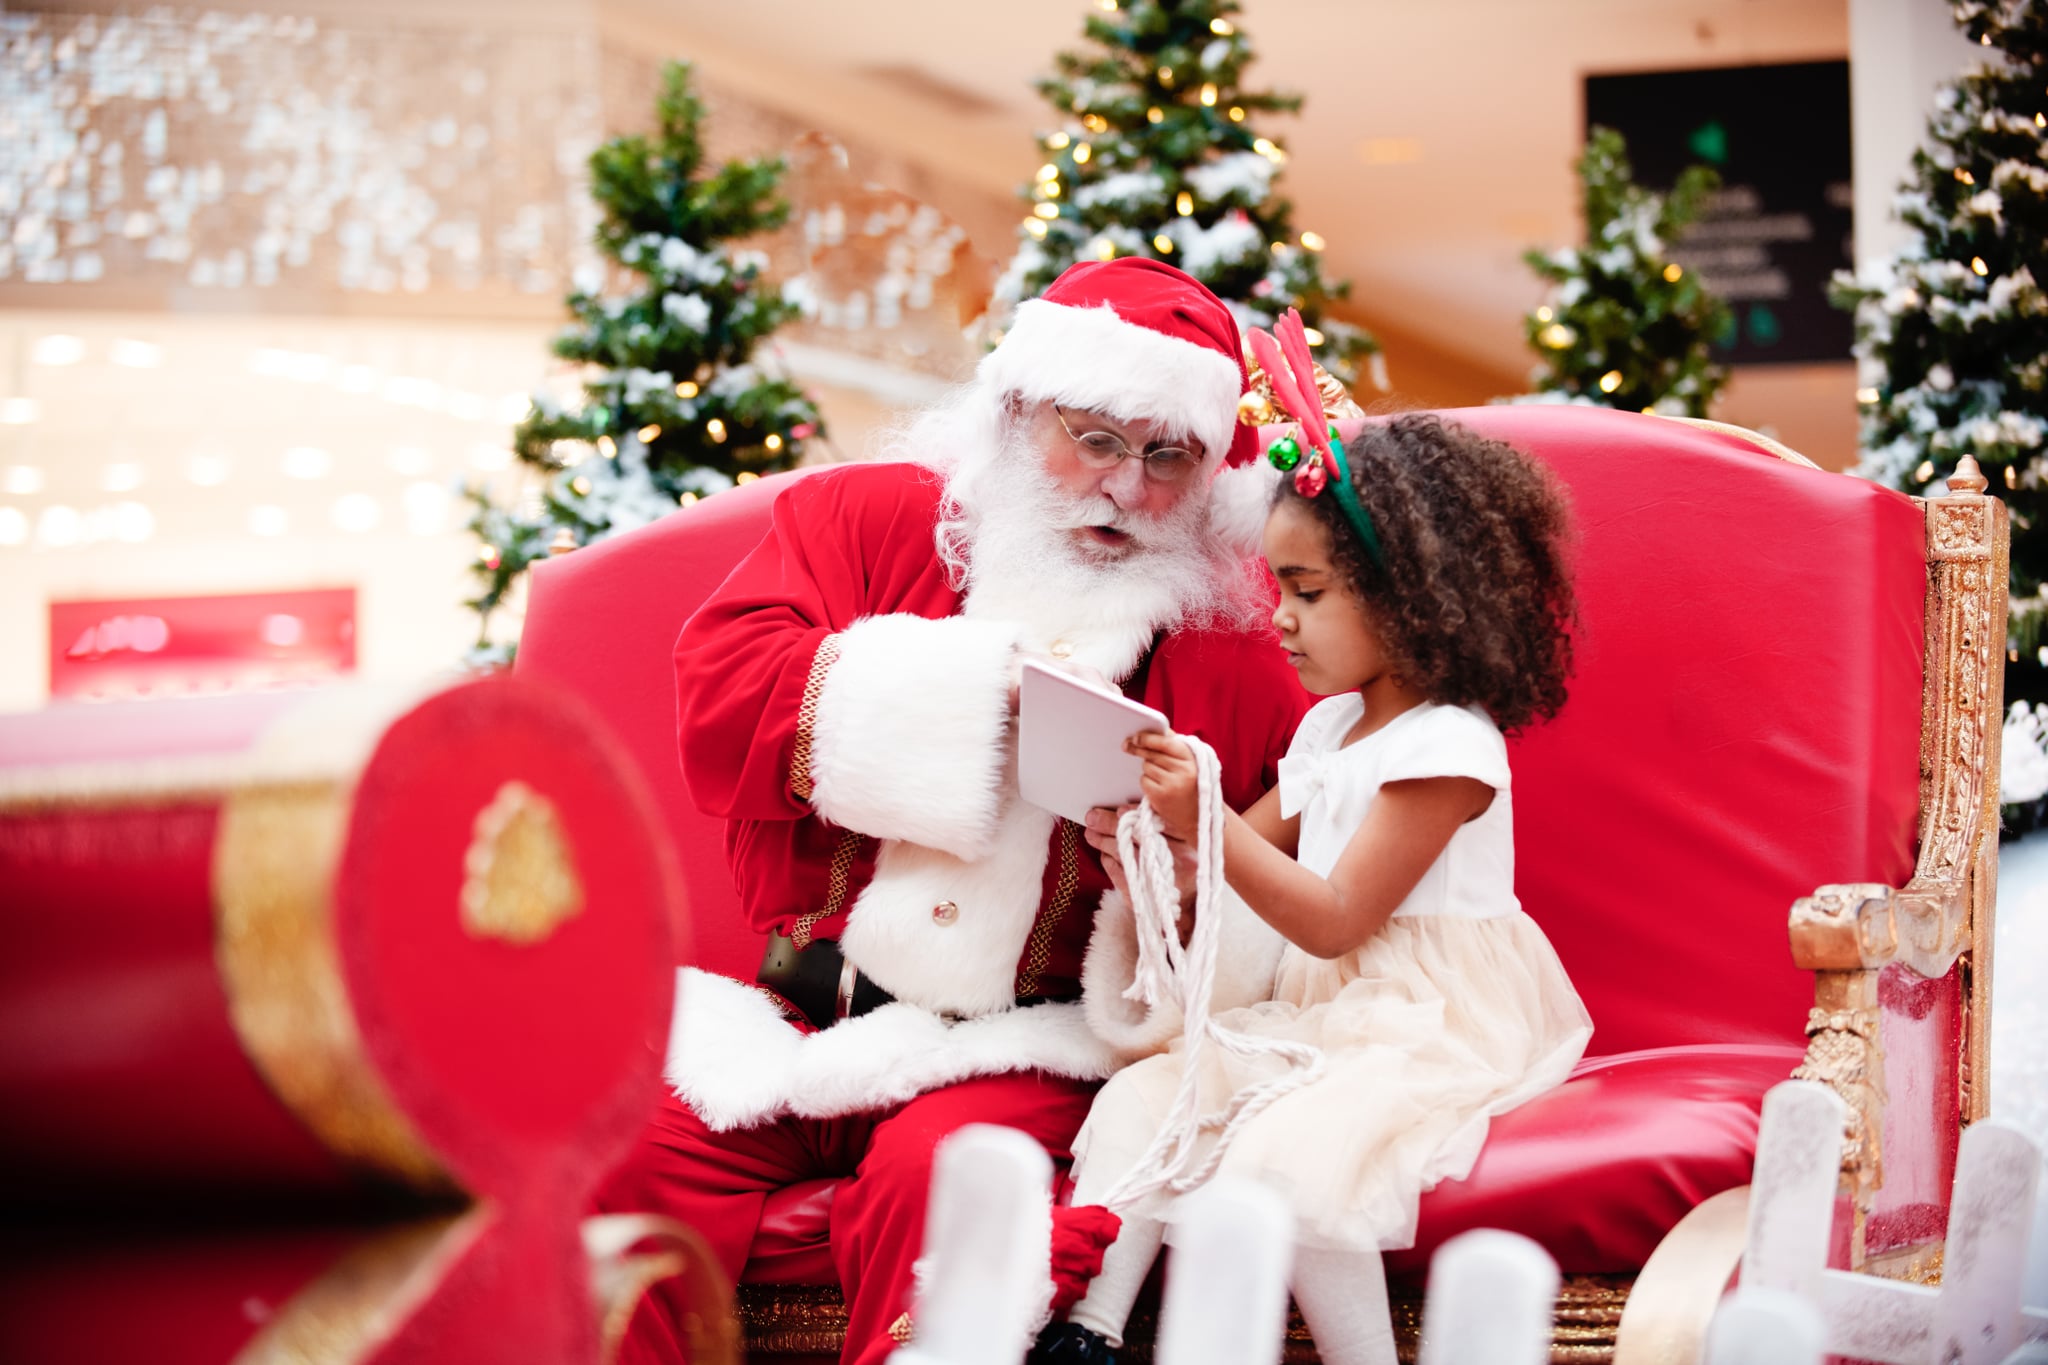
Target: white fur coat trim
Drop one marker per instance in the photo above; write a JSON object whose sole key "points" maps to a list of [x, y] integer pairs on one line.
{"points": [[910, 738], [1091, 358], [1247, 955], [964, 960], [737, 1062]]}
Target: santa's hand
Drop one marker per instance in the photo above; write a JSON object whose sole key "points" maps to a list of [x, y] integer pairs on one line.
{"points": [[1169, 782], [1094, 677], [1100, 832]]}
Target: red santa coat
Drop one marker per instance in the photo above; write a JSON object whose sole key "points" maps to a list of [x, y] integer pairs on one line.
{"points": [[846, 710]]}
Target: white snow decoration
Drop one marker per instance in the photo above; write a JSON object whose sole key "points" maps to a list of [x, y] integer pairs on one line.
{"points": [[1940, 378], [1201, 250], [685, 262], [640, 383], [756, 261], [1009, 287], [799, 294], [587, 278], [1215, 54], [1550, 397], [1125, 189], [2007, 175], [704, 481], [691, 311], [2024, 756], [1987, 204], [735, 380], [1244, 174]]}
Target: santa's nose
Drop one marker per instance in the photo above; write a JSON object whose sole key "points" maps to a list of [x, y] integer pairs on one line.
{"points": [[1125, 483]]}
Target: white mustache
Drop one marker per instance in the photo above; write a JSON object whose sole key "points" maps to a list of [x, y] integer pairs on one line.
{"points": [[1096, 511]]}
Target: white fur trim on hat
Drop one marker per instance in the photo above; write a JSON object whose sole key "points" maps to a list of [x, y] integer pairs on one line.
{"points": [[1239, 500], [1091, 358]]}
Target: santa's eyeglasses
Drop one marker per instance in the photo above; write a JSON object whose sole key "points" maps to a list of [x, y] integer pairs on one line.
{"points": [[1105, 450]]}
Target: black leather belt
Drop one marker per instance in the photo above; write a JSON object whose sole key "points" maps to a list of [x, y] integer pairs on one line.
{"points": [[817, 981], [820, 984]]}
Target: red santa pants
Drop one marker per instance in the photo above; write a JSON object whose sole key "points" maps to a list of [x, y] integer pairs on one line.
{"points": [[717, 1183]]}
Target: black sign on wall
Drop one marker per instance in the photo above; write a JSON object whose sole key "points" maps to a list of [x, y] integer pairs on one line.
{"points": [[1782, 223]]}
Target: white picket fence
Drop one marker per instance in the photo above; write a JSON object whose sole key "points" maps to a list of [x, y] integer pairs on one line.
{"points": [[983, 1281], [1491, 1293], [1791, 1309]]}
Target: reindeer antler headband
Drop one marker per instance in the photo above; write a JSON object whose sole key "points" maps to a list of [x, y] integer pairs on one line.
{"points": [[1292, 370]]}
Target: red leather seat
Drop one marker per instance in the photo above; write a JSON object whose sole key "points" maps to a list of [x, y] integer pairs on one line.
{"points": [[1743, 727]]}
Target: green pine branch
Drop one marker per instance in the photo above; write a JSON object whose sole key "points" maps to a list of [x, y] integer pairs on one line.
{"points": [[1952, 334], [1622, 325], [673, 406], [1157, 153]]}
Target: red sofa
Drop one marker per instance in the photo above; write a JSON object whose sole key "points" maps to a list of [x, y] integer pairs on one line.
{"points": [[1746, 725]]}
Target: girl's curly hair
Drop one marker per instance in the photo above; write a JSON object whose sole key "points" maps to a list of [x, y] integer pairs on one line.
{"points": [[1476, 602]]}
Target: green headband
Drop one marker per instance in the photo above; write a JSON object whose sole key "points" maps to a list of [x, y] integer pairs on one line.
{"points": [[1285, 454]]}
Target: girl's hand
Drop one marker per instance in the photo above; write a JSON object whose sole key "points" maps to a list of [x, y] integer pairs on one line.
{"points": [[1169, 782], [1100, 832]]}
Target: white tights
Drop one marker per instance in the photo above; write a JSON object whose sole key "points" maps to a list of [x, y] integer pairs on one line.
{"points": [[1342, 1295]]}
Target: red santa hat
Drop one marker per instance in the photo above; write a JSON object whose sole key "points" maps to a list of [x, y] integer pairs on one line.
{"points": [[1135, 340]]}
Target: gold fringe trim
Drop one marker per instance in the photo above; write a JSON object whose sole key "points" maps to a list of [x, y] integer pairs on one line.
{"points": [[807, 718]]}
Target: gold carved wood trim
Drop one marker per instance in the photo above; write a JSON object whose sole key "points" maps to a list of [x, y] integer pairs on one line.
{"points": [[1847, 933], [347, 1313], [519, 879], [274, 863], [632, 1252], [1844, 1052]]}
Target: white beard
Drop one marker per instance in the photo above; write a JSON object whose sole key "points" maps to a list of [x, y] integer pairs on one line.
{"points": [[1025, 563]]}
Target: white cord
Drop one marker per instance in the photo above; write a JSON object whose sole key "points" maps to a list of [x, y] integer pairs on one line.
{"points": [[1166, 971]]}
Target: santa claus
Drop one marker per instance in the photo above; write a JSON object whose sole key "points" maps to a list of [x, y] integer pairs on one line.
{"points": [[940, 952]]}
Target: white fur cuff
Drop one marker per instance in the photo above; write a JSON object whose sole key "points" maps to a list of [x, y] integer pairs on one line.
{"points": [[1247, 954], [912, 725]]}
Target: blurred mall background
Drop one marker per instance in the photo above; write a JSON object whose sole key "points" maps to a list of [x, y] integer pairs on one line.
{"points": [[277, 279]]}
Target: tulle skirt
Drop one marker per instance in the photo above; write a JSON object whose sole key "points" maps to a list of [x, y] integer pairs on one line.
{"points": [[1429, 1030]]}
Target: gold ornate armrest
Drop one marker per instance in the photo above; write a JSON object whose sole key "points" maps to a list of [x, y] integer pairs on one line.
{"points": [[1846, 934]]}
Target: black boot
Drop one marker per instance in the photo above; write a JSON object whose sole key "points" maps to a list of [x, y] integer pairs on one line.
{"points": [[1069, 1343]]}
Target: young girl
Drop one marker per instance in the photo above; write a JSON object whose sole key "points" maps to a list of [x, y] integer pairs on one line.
{"points": [[1433, 613]]}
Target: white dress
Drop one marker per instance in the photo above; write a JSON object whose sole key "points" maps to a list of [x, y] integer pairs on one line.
{"points": [[1456, 1010]]}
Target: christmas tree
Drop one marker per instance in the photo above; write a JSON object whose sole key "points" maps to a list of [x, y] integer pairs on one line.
{"points": [[673, 407], [1156, 155], [1952, 334], [1622, 326]]}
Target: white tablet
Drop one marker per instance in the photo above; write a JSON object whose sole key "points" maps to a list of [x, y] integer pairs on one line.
{"points": [[1070, 742]]}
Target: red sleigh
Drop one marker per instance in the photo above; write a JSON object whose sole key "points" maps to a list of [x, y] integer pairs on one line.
{"points": [[320, 1017], [1788, 680]]}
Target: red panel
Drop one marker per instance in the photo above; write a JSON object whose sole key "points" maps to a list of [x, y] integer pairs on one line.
{"points": [[602, 623], [512, 1059], [1597, 1171], [144, 1296], [181, 646], [1743, 728], [120, 1075], [1920, 1034]]}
